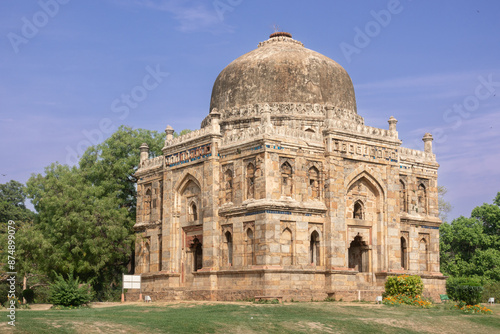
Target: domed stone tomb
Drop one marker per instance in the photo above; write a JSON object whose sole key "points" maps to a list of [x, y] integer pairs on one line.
{"points": [[284, 192], [281, 69]]}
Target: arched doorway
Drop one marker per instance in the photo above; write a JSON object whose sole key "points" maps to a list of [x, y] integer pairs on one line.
{"points": [[358, 254], [197, 255]]}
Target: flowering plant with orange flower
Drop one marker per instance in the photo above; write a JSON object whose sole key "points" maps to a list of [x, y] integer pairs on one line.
{"points": [[473, 309], [401, 299], [405, 289]]}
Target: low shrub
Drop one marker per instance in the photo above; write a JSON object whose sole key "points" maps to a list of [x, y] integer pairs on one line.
{"points": [[69, 292], [18, 304], [403, 285], [466, 290], [267, 301], [29, 295], [5, 292]]}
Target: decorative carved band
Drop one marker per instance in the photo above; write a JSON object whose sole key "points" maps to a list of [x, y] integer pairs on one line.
{"points": [[192, 154]]}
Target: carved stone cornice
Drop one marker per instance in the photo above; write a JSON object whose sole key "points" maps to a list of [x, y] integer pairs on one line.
{"points": [[143, 226], [426, 221], [285, 206]]}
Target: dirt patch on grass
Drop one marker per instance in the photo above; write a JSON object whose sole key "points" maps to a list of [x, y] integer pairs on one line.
{"points": [[4, 327], [424, 325], [40, 307], [96, 327], [310, 327]]}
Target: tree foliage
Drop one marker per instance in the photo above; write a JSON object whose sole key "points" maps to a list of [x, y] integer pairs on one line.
{"points": [[12, 203], [83, 229], [12, 207], [86, 212], [470, 247]]}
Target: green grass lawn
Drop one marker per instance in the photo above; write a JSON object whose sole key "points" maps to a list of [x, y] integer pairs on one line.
{"points": [[319, 317]]}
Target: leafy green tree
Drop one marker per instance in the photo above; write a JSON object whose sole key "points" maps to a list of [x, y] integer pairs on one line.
{"points": [[83, 230], [489, 216], [86, 212], [12, 203], [110, 166], [470, 247], [12, 207]]}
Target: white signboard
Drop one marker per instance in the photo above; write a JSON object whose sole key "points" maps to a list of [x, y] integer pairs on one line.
{"points": [[131, 281]]}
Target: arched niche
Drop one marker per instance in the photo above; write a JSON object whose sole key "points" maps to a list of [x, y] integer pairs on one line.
{"points": [[358, 254], [286, 179], [422, 199], [188, 200], [249, 247], [313, 183], [286, 242], [314, 248], [404, 253]]}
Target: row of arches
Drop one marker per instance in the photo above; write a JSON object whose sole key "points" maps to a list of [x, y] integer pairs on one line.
{"points": [[358, 252], [248, 248], [287, 181], [228, 183], [286, 248], [145, 255], [423, 254], [421, 201]]}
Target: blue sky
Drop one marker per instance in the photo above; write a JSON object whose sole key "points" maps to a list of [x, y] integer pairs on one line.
{"points": [[66, 65]]}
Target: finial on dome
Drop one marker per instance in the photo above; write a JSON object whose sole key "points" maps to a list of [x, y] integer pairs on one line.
{"points": [[170, 132], [280, 34]]}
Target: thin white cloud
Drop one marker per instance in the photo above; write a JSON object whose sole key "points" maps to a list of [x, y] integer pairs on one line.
{"points": [[192, 15]]}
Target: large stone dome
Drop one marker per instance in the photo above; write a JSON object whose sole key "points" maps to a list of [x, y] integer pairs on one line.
{"points": [[282, 70]]}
